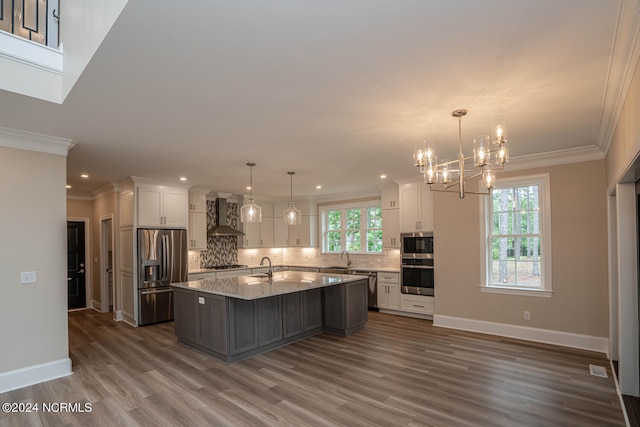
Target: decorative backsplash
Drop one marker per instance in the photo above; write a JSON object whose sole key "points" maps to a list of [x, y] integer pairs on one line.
{"points": [[221, 250]]}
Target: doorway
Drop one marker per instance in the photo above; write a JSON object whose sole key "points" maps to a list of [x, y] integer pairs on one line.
{"points": [[76, 266], [107, 263]]}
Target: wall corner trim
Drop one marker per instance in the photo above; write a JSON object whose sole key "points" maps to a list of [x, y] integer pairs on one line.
{"points": [[547, 336], [30, 375]]}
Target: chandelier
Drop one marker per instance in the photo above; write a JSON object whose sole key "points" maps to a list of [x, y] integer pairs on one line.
{"points": [[292, 216], [446, 175], [250, 212]]}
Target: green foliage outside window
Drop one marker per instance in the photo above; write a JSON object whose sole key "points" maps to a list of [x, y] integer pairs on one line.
{"points": [[355, 229]]}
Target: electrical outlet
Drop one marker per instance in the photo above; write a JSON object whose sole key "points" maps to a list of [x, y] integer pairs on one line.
{"points": [[527, 315], [28, 277]]}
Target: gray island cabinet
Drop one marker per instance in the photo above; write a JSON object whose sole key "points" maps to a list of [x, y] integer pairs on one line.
{"points": [[238, 317]]}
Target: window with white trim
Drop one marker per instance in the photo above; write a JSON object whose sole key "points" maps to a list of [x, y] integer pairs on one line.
{"points": [[356, 228], [516, 245]]}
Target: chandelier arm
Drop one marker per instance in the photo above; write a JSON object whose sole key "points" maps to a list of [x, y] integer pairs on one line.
{"points": [[445, 190]]}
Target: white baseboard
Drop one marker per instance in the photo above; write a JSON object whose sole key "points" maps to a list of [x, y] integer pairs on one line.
{"points": [[117, 315], [406, 314], [35, 374], [96, 306], [547, 336], [128, 318]]}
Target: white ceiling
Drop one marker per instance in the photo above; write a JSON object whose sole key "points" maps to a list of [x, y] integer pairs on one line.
{"points": [[337, 91]]}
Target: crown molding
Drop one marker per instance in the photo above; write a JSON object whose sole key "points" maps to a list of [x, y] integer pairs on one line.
{"points": [[80, 198], [105, 190], [555, 158], [22, 140], [540, 160], [625, 53]]}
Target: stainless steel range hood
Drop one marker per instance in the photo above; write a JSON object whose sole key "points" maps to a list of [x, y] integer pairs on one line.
{"points": [[222, 229]]}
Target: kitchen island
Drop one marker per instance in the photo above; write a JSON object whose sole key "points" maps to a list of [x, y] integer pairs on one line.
{"points": [[238, 317]]}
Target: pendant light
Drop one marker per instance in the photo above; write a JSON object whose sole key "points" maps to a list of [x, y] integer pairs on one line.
{"points": [[292, 215], [250, 212]]}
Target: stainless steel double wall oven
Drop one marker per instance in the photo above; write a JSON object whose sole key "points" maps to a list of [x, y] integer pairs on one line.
{"points": [[417, 263]]}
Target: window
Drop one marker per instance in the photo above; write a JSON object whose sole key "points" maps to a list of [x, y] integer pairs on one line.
{"points": [[516, 245], [354, 228]]}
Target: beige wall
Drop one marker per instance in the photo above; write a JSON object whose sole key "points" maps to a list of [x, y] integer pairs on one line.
{"points": [[626, 140], [33, 230], [579, 250], [79, 208]]}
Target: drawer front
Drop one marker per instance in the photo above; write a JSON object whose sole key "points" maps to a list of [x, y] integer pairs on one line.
{"points": [[389, 277], [416, 304]]}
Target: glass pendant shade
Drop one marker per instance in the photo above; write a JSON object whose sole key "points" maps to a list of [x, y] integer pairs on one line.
{"points": [[291, 215], [481, 150], [488, 178], [250, 212]]}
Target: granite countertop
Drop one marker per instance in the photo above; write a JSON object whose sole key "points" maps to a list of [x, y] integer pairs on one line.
{"points": [[253, 287], [381, 269]]}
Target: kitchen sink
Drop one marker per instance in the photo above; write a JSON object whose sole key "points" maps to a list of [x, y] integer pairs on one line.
{"points": [[335, 270]]}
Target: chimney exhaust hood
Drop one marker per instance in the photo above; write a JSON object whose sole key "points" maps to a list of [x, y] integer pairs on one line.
{"points": [[222, 229]]}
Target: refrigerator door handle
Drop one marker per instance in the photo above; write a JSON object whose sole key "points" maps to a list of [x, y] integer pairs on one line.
{"points": [[164, 258]]}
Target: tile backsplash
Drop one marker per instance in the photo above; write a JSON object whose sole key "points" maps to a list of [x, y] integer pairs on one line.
{"points": [[221, 250]]}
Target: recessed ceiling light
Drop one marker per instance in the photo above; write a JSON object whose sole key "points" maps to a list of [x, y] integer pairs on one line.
{"points": [[84, 175], [383, 176], [318, 187], [248, 187], [67, 186], [183, 178]]}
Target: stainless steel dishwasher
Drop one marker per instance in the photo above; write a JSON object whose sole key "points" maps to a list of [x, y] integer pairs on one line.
{"points": [[373, 287]]}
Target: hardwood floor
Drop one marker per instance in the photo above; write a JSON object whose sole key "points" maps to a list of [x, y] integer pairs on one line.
{"points": [[397, 372]]}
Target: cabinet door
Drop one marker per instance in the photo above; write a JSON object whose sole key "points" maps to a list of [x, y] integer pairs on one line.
{"points": [[426, 208], [198, 203], [269, 320], [280, 233], [390, 198], [390, 227], [213, 323], [311, 309], [243, 326], [266, 233], [186, 315], [197, 231], [393, 296], [383, 296], [175, 207], [149, 206], [291, 314], [252, 235], [409, 207]]}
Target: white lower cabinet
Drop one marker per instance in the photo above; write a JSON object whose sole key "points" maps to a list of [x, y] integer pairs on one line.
{"points": [[389, 290], [416, 304]]}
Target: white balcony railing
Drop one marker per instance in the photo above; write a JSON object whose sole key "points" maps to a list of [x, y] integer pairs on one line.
{"points": [[35, 20]]}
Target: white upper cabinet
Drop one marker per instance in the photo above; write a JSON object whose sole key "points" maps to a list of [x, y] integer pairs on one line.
{"points": [[161, 206], [259, 234], [416, 207], [390, 198], [197, 219], [391, 228]]}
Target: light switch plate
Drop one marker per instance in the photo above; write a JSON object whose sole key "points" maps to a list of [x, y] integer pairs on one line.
{"points": [[200, 300], [28, 277]]}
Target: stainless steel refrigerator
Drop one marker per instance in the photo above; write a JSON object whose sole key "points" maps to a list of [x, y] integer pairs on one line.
{"points": [[162, 260]]}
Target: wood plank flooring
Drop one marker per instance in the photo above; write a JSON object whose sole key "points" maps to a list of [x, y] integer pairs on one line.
{"points": [[397, 372]]}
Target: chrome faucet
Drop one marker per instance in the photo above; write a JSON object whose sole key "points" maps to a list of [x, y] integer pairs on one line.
{"points": [[270, 273], [348, 259]]}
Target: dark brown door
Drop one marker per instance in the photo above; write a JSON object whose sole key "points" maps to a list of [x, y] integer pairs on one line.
{"points": [[76, 265]]}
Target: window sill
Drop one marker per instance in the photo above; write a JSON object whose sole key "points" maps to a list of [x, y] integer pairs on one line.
{"points": [[519, 291]]}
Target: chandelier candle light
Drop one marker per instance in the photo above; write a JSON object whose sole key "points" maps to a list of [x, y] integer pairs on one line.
{"points": [[250, 212], [292, 216], [442, 176]]}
